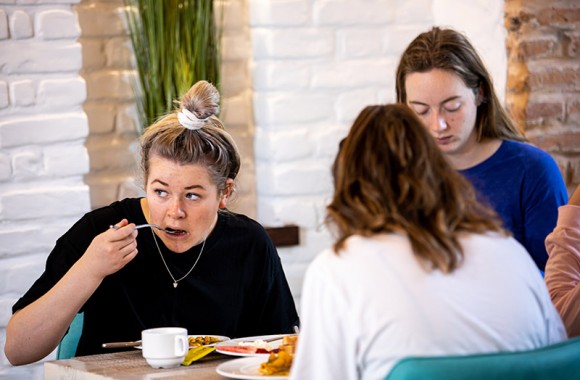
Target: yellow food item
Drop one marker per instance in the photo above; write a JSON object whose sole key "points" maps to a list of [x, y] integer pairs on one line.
{"points": [[279, 363], [289, 344], [196, 353], [290, 340], [202, 340]]}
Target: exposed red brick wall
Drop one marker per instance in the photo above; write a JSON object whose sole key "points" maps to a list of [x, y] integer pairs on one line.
{"points": [[543, 84]]}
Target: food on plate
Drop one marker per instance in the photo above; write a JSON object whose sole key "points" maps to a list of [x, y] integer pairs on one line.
{"points": [[289, 343], [254, 347], [197, 353], [240, 349], [259, 344], [279, 363], [196, 341]]}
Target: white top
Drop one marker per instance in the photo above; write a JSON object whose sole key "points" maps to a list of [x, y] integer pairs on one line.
{"points": [[373, 304]]}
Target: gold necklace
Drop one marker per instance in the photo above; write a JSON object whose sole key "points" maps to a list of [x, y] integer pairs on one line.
{"points": [[166, 267]]}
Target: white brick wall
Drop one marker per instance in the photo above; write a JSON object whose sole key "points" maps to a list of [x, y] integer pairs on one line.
{"points": [[43, 129], [295, 74], [113, 126], [236, 91], [316, 64]]}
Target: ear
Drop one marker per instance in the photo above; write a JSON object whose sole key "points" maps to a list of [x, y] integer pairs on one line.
{"points": [[479, 96], [225, 197]]}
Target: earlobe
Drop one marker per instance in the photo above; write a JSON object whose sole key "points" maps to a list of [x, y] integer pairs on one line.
{"points": [[223, 201], [227, 193]]}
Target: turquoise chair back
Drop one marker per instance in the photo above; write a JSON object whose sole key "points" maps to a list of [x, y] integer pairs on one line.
{"points": [[68, 345], [556, 362]]}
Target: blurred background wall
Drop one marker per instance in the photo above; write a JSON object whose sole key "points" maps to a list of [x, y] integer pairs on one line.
{"points": [[295, 74]]}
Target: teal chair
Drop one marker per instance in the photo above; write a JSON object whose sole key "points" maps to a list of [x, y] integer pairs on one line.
{"points": [[556, 362], [68, 345]]}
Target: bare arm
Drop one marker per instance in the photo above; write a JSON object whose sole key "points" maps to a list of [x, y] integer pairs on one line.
{"points": [[575, 198], [563, 267], [35, 331]]}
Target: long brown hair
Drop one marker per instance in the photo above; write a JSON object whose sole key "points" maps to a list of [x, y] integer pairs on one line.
{"points": [[209, 145], [390, 176], [450, 50]]}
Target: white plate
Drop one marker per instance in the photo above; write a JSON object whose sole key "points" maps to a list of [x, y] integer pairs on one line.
{"points": [[245, 368], [235, 342], [220, 337]]}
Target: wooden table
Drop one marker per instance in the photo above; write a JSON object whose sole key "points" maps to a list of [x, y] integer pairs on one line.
{"points": [[129, 365]]}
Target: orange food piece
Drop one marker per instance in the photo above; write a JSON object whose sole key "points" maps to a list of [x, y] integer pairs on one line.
{"points": [[280, 363]]}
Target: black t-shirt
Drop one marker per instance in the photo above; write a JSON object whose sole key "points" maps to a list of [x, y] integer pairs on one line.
{"points": [[237, 289]]}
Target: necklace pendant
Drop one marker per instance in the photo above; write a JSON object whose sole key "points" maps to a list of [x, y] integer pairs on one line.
{"points": [[175, 281]]}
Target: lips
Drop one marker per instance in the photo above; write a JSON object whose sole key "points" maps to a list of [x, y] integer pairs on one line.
{"points": [[444, 140], [174, 231]]}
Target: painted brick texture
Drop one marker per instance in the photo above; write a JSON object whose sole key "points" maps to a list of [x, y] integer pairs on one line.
{"points": [[43, 159]]}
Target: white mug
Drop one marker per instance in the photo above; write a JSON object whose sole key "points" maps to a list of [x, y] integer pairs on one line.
{"points": [[164, 347]]}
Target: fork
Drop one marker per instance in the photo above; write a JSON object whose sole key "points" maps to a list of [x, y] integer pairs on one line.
{"points": [[147, 225], [270, 340]]}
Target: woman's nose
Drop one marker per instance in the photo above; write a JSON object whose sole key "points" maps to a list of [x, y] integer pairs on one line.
{"points": [[177, 210], [437, 122]]}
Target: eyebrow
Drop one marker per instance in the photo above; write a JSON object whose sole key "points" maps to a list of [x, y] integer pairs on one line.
{"points": [[185, 188], [455, 97]]}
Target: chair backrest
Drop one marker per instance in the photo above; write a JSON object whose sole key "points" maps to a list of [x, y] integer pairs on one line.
{"points": [[68, 345], [556, 362]]}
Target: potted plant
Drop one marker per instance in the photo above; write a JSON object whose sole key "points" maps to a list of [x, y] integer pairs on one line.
{"points": [[176, 43]]}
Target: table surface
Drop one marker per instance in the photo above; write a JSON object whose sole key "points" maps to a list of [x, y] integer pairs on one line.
{"points": [[129, 365]]}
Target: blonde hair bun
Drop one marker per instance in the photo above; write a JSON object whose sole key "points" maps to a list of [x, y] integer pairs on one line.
{"points": [[202, 100]]}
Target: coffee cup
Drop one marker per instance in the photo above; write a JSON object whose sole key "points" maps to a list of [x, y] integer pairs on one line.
{"points": [[164, 347]]}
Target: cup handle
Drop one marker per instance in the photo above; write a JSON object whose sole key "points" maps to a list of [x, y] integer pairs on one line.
{"points": [[181, 345]]}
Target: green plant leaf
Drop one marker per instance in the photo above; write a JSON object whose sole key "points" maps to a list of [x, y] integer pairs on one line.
{"points": [[176, 43]]}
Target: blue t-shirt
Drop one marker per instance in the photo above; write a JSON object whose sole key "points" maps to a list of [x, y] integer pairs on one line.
{"points": [[525, 187]]}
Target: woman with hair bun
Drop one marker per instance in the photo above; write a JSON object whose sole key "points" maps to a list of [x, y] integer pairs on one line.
{"points": [[207, 269]]}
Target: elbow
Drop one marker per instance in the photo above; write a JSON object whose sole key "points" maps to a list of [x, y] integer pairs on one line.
{"points": [[17, 358], [18, 354], [13, 358]]}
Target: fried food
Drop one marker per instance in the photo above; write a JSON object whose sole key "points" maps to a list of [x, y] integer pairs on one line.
{"points": [[279, 363], [290, 340], [202, 340], [289, 344]]}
